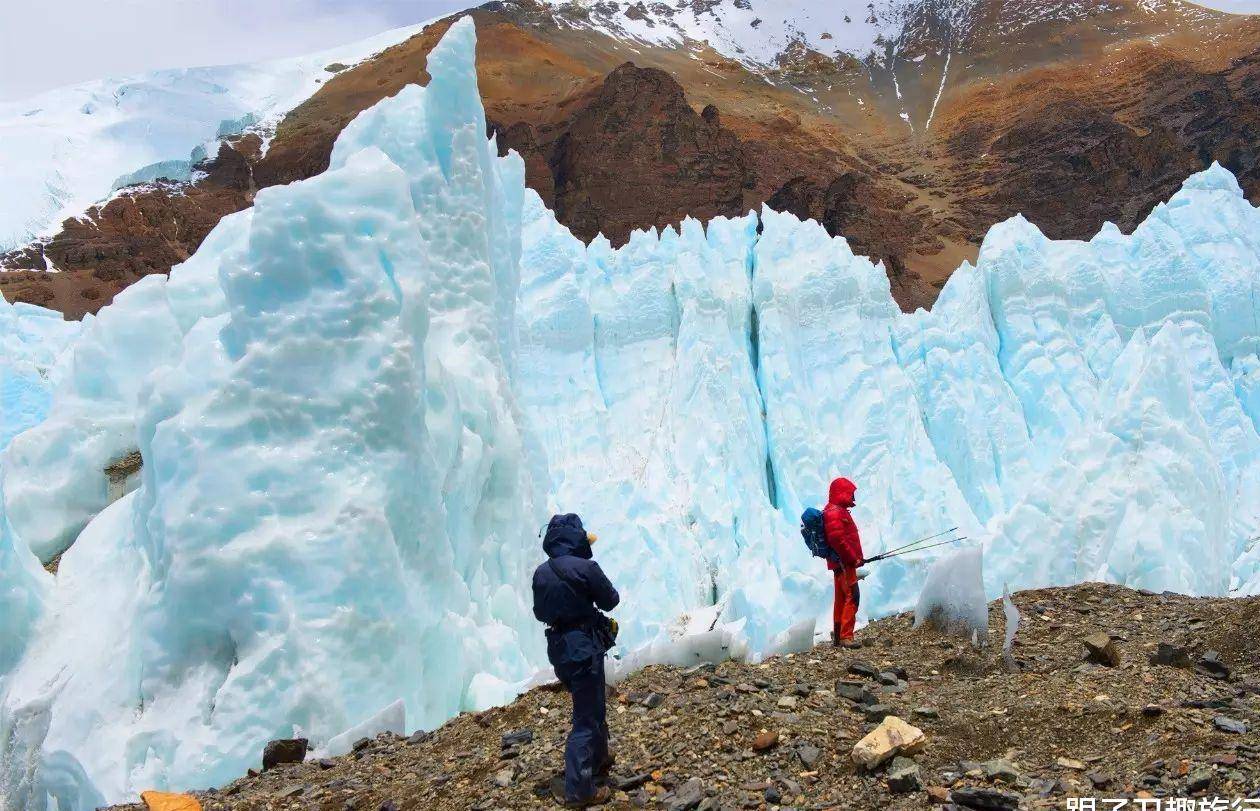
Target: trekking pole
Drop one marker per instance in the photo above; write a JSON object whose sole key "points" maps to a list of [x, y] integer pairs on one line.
{"points": [[921, 540], [887, 555]]}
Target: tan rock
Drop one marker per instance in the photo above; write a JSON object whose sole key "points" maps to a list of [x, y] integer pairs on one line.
{"points": [[160, 801], [892, 737], [1101, 649], [765, 741]]}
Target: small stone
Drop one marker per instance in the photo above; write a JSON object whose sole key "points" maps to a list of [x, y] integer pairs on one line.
{"points": [[1000, 770], [854, 691], [1226, 760], [361, 744], [765, 741], [1211, 664], [927, 712], [1171, 655], [730, 727], [325, 763], [1152, 710], [892, 737], [388, 805], [1098, 781], [652, 700], [634, 781], [688, 796], [1226, 724], [887, 677], [787, 702], [876, 712], [864, 669], [419, 737], [904, 776], [938, 794], [984, 799], [518, 738], [1200, 780], [808, 754], [291, 791], [1071, 763], [773, 796], [503, 778], [1101, 649], [285, 750]]}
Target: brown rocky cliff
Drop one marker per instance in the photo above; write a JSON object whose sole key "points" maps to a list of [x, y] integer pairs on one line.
{"points": [[639, 155], [139, 231]]}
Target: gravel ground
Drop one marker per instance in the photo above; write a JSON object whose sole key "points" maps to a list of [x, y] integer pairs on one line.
{"points": [[1030, 731]]}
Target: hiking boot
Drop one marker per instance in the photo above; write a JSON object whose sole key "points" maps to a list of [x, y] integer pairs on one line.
{"points": [[606, 765], [848, 643], [601, 796]]}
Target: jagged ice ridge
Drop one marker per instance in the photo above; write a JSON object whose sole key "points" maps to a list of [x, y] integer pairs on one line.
{"points": [[358, 402]]}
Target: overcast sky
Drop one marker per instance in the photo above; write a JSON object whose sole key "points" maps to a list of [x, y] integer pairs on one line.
{"points": [[48, 43]]}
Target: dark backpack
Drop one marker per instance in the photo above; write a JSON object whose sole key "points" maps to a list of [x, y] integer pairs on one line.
{"points": [[814, 535]]}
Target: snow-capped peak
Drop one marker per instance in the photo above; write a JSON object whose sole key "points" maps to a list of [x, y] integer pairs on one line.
{"points": [[757, 32]]}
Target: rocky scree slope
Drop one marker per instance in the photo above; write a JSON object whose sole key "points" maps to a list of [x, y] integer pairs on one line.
{"points": [[1168, 707], [939, 119]]}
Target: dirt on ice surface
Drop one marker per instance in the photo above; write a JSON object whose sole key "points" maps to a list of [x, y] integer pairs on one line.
{"points": [[780, 734]]}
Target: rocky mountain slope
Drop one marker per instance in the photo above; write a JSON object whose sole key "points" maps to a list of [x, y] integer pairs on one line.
{"points": [[1166, 705], [908, 127]]}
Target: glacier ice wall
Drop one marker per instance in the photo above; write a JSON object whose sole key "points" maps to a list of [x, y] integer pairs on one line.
{"points": [[358, 402]]}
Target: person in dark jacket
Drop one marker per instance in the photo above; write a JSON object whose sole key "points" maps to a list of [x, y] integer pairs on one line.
{"points": [[569, 592], [842, 536]]}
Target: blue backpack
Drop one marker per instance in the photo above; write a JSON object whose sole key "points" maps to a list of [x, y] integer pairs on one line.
{"points": [[812, 532]]}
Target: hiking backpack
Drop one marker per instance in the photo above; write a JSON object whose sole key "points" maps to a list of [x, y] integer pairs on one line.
{"points": [[815, 537]]}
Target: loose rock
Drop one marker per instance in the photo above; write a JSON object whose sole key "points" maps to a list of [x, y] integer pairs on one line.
{"points": [[854, 691], [903, 776], [1101, 649], [1226, 724], [1171, 655], [1211, 664], [765, 741], [285, 750], [984, 799], [892, 737]]}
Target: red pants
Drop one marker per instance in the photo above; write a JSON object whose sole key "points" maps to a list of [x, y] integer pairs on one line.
{"points": [[844, 611]]}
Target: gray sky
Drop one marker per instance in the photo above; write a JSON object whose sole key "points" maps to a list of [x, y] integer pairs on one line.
{"points": [[49, 43]]}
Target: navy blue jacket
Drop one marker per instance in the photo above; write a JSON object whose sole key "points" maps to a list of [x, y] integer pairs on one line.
{"points": [[566, 610]]}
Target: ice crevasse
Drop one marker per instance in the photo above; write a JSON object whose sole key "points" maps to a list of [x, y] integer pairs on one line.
{"points": [[357, 404]]}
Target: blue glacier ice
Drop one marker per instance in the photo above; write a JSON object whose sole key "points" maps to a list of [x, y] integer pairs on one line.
{"points": [[359, 401]]}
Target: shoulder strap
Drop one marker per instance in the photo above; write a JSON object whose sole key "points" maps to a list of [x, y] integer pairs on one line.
{"points": [[575, 585]]}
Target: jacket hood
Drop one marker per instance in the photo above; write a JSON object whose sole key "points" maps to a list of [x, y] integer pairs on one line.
{"points": [[566, 536], [841, 493]]}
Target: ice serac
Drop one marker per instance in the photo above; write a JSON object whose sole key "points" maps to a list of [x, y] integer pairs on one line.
{"points": [[335, 483], [638, 373]]}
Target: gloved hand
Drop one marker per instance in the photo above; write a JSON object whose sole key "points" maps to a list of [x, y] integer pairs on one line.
{"points": [[862, 573]]}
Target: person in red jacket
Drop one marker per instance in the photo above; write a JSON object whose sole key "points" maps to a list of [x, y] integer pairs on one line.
{"points": [[842, 536]]}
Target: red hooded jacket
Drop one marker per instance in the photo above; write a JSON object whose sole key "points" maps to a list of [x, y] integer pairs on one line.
{"points": [[838, 526]]}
